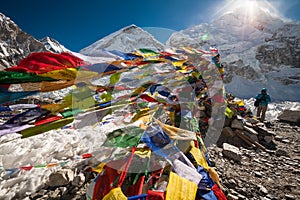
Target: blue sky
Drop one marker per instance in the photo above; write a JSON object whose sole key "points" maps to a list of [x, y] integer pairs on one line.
{"points": [[77, 24]]}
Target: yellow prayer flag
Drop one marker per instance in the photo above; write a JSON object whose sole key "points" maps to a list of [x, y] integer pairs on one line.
{"points": [[214, 176], [62, 74], [178, 62], [177, 133], [98, 168], [142, 152], [48, 86], [199, 157], [143, 114], [180, 188], [115, 194], [239, 102]]}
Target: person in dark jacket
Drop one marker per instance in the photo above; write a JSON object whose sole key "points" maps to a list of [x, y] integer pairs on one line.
{"points": [[263, 104]]}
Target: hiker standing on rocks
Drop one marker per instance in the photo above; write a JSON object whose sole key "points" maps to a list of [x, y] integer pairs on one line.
{"points": [[264, 100]]}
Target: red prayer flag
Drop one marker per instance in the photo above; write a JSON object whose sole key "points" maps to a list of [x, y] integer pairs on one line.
{"points": [[42, 62], [155, 195], [27, 168], [147, 98], [86, 155], [47, 120], [137, 188], [218, 192]]}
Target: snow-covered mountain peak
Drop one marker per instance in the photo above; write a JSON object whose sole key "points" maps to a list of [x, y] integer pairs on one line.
{"points": [[246, 14], [126, 39], [262, 51], [258, 17], [53, 45]]}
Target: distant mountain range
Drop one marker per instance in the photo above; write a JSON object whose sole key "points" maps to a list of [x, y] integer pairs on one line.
{"points": [[259, 52]]}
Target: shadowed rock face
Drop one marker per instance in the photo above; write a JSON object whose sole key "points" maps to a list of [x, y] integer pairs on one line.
{"points": [[15, 44], [282, 48]]}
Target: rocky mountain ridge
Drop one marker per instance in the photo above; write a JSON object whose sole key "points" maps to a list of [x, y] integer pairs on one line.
{"points": [[14, 43]]}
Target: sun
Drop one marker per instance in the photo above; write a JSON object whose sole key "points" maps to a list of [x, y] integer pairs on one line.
{"points": [[250, 7], [247, 8]]}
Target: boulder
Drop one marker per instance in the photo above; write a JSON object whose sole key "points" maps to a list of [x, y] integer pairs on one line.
{"points": [[237, 124], [290, 116], [281, 152], [251, 136], [61, 178], [78, 180], [227, 131], [232, 152], [268, 139]]}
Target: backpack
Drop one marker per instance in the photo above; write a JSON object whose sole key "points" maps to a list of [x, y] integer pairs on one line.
{"points": [[256, 103]]}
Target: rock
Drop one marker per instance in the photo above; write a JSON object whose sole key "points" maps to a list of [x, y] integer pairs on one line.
{"points": [[227, 131], [61, 178], [252, 121], [289, 197], [38, 194], [238, 124], [241, 197], [15, 44], [232, 197], [251, 136], [64, 191], [268, 139], [236, 141], [278, 138], [280, 152], [78, 180], [55, 194], [243, 192], [258, 174], [286, 141], [262, 189], [231, 183], [290, 116], [272, 197], [226, 135], [232, 152]]}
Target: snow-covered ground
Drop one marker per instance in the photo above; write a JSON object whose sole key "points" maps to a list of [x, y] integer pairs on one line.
{"points": [[274, 109], [64, 148]]}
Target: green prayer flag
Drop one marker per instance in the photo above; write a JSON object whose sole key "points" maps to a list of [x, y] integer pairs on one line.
{"points": [[21, 77], [70, 112], [147, 51], [115, 78], [228, 112], [124, 137]]}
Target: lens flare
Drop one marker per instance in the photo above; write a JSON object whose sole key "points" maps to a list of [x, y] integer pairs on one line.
{"points": [[247, 8]]}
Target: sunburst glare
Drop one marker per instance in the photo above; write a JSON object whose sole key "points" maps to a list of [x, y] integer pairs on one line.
{"points": [[249, 8]]}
